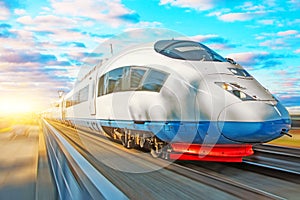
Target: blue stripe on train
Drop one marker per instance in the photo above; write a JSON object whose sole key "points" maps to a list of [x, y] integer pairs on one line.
{"points": [[208, 132]]}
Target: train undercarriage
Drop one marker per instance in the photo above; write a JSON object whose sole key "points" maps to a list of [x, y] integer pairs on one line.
{"points": [[147, 141], [143, 140]]}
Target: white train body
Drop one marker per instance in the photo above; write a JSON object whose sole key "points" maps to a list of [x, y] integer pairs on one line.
{"points": [[176, 91]]}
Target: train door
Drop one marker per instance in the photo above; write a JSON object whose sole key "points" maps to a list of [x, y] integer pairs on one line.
{"points": [[92, 105]]}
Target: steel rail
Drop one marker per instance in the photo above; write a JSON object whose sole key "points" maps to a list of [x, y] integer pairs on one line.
{"points": [[75, 177], [278, 158]]}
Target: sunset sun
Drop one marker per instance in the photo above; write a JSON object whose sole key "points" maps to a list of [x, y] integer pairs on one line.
{"points": [[16, 105]]}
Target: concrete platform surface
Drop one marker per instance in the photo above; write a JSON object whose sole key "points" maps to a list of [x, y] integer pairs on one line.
{"points": [[24, 169]]}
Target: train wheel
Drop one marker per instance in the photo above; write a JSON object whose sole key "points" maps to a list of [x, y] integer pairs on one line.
{"points": [[155, 153], [129, 144], [156, 148], [142, 142]]}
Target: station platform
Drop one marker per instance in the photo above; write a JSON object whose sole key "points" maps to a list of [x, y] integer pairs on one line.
{"points": [[24, 168]]}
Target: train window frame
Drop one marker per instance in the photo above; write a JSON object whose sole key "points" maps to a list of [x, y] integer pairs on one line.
{"points": [[78, 97], [196, 51], [103, 81]]}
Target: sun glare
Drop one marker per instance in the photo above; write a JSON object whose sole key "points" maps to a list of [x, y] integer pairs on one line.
{"points": [[14, 106]]}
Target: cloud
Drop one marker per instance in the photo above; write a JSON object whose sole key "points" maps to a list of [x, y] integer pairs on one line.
{"points": [[231, 17], [295, 4], [235, 16], [15, 43], [249, 6], [293, 22], [266, 22], [213, 41], [287, 33], [36, 85], [31, 73], [52, 28], [63, 73], [280, 40], [258, 60], [274, 44], [143, 25], [13, 60], [20, 11], [4, 12], [23, 57], [111, 12], [199, 5], [245, 12], [47, 21]]}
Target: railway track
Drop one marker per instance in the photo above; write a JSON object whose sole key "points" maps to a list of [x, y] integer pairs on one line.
{"points": [[276, 161], [204, 173], [271, 168]]}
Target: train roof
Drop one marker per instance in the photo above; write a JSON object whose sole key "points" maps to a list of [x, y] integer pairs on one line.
{"points": [[175, 49]]}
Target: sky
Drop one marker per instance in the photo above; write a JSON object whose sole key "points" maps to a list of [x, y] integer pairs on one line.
{"points": [[45, 43]]}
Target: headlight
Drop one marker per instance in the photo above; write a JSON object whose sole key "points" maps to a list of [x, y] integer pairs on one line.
{"points": [[235, 91], [227, 87]]}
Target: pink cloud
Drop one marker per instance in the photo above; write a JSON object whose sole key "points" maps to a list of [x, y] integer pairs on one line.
{"points": [[267, 22], [297, 51], [245, 57], [194, 4], [274, 44], [250, 58], [249, 6], [47, 21], [22, 42], [106, 11], [231, 17], [4, 12], [20, 11], [286, 33], [202, 38], [218, 46]]}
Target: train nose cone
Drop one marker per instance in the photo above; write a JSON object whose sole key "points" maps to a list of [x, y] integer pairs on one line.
{"points": [[253, 121]]}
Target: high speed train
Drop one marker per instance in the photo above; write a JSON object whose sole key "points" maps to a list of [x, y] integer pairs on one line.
{"points": [[178, 99]]}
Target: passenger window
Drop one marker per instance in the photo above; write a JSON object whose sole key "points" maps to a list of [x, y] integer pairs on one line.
{"points": [[84, 94], [101, 86], [69, 103], [115, 80], [136, 77], [154, 81], [131, 78]]}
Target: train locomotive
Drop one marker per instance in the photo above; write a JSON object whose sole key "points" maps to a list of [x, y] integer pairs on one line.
{"points": [[177, 99]]}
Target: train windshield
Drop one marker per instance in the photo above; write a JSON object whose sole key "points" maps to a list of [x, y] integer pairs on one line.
{"points": [[187, 50]]}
